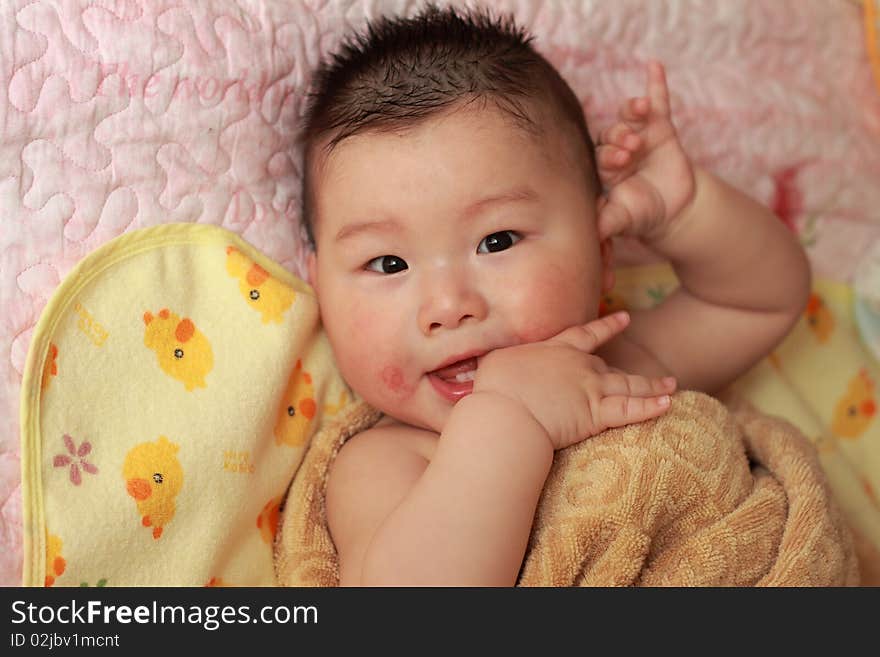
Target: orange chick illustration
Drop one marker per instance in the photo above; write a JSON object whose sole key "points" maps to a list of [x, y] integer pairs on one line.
{"points": [[267, 521], [55, 563], [260, 290], [297, 409], [856, 409], [183, 351], [153, 477], [819, 318]]}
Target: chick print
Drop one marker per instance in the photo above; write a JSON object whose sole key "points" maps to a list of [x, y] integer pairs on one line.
{"points": [[819, 318], [260, 290], [184, 352], [55, 563], [856, 409], [296, 410], [267, 521], [153, 477]]}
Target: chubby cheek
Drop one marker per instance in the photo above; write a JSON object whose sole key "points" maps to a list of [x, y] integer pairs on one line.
{"points": [[552, 302], [370, 358]]}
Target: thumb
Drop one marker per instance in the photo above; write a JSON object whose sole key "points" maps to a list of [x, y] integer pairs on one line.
{"points": [[614, 219], [592, 335]]}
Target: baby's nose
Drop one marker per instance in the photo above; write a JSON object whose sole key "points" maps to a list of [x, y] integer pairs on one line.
{"points": [[449, 303]]}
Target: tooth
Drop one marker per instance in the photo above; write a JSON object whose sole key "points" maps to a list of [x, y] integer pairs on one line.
{"points": [[465, 376]]}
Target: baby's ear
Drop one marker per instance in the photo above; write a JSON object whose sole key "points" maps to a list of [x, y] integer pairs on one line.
{"points": [[312, 269], [606, 249]]}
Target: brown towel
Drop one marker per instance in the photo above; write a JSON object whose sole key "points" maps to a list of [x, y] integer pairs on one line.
{"points": [[704, 496]]}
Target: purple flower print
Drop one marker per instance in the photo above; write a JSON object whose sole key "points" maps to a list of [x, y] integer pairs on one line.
{"points": [[75, 460]]}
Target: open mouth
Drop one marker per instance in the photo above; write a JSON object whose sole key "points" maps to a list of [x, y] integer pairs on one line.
{"points": [[462, 370], [455, 381]]}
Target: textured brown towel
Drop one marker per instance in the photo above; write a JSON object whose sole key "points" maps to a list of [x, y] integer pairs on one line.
{"points": [[704, 496]]}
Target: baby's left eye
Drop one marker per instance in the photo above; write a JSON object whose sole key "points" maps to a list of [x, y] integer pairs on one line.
{"points": [[499, 241]]}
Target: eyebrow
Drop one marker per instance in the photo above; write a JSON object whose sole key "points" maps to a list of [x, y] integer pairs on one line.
{"points": [[513, 196], [384, 226], [391, 226]]}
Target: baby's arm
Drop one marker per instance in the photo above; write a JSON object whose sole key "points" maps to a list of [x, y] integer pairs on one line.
{"points": [[744, 277], [461, 519], [462, 516], [744, 282]]}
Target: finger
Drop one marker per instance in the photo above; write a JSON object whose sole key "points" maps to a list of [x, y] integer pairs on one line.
{"points": [[619, 410], [612, 157], [658, 91], [620, 135], [614, 219], [635, 112], [670, 380], [590, 336], [616, 382]]}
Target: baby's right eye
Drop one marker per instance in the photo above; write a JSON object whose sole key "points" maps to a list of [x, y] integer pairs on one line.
{"points": [[387, 264]]}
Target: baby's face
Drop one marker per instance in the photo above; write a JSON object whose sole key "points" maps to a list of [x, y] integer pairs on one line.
{"points": [[458, 237]]}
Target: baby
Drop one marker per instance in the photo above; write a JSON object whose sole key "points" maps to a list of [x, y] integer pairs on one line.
{"points": [[461, 221]]}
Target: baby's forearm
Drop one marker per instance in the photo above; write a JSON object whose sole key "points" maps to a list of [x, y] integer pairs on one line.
{"points": [[467, 520], [729, 250]]}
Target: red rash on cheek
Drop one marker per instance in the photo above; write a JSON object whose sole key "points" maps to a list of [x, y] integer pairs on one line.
{"points": [[392, 377]]}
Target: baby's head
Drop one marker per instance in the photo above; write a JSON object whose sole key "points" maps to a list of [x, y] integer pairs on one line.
{"points": [[450, 199]]}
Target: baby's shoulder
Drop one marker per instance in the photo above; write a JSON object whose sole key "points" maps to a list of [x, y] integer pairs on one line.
{"points": [[371, 474], [390, 438], [373, 460]]}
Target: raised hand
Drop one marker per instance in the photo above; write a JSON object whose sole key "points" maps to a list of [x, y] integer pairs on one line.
{"points": [[572, 393], [648, 177]]}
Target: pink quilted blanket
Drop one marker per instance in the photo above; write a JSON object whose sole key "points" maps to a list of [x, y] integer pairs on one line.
{"points": [[119, 114]]}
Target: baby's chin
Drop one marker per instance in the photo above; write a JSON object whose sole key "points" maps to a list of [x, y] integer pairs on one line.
{"points": [[432, 421]]}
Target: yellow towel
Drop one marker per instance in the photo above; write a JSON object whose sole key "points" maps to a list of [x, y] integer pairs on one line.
{"points": [[173, 384], [699, 497]]}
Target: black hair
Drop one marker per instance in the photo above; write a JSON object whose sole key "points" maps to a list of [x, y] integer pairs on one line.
{"points": [[400, 71]]}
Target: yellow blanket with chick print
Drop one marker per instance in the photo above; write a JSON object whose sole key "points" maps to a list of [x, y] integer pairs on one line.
{"points": [[173, 384]]}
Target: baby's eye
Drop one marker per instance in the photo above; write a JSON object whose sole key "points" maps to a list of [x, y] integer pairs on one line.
{"points": [[387, 264], [498, 241]]}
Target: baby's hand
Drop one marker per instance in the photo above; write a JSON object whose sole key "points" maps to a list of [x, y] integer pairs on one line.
{"points": [[570, 392], [648, 177]]}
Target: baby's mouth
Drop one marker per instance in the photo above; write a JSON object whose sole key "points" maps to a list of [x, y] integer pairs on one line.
{"points": [[461, 371], [456, 381]]}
